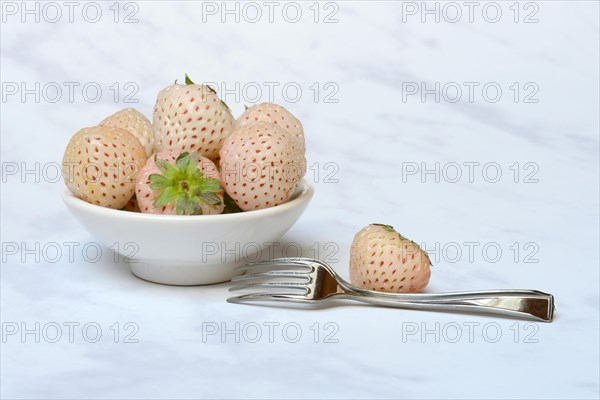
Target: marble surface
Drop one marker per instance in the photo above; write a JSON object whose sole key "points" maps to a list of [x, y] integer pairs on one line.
{"points": [[366, 147]]}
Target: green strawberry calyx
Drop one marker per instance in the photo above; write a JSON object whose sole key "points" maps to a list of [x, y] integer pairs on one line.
{"points": [[230, 206], [188, 81], [184, 185], [390, 228]]}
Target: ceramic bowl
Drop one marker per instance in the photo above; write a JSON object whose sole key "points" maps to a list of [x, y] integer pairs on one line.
{"points": [[189, 250]]}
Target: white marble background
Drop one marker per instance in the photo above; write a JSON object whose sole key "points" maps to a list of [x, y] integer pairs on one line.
{"points": [[369, 133]]}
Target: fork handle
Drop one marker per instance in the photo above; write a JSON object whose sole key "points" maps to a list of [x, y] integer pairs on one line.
{"points": [[531, 304]]}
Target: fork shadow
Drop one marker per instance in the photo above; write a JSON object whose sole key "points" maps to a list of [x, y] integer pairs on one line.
{"points": [[334, 253]]}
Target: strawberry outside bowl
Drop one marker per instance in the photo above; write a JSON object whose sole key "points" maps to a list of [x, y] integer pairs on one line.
{"points": [[189, 250]]}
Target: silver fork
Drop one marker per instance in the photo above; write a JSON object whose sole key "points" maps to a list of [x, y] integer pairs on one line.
{"points": [[305, 280]]}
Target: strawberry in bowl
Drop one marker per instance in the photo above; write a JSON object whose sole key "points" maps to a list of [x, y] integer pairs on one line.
{"points": [[166, 188]]}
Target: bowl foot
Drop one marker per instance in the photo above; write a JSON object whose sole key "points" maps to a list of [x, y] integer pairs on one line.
{"points": [[181, 274]]}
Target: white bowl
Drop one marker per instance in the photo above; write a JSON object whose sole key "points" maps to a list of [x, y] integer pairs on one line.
{"points": [[189, 250]]}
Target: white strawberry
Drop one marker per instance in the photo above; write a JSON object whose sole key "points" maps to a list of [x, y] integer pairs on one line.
{"points": [[275, 114], [100, 165], [132, 205], [183, 184], [261, 166], [135, 123], [191, 118], [384, 260]]}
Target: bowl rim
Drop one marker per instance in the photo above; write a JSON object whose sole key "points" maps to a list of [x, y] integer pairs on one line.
{"points": [[306, 193]]}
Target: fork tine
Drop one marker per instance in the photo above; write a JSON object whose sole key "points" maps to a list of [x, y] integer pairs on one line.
{"points": [[272, 274], [265, 297], [270, 285], [288, 259], [270, 265], [276, 263]]}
